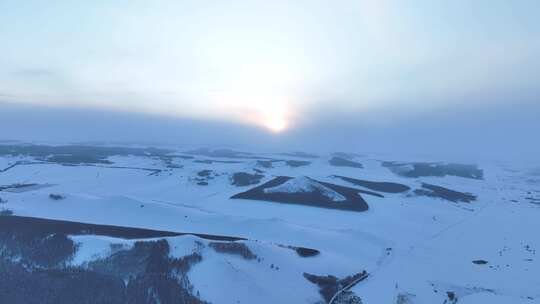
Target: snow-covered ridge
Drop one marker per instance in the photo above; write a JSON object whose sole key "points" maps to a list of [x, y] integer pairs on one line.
{"points": [[305, 184]]}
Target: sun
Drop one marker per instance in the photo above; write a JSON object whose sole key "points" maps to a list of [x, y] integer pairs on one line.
{"points": [[276, 123], [274, 116]]}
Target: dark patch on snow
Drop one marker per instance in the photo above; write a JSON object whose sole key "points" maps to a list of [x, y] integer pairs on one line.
{"points": [[480, 262], [533, 200], [297, 163], [265, 164], [445, 193], [353, 201], [386, 187], [6, 212], [204, 173], [269, 163], [168, 160], [347, 297], [56, 197], [204, 177], [330, 285], [22, 224], [203, 161], [212, 161], [219, 153], [300, 155], [235, 248], [77, 159], [172, 156], [245, 179], [451, 298], [77, 154], [302, 251], [16, 186], [305, 252], [405, 298], [343, 162], [345, 155], [420, 169]]}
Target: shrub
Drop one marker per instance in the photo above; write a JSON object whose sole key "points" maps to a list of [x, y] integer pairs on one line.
{"points": [[6, 212], [56, 197], [233, 248]]}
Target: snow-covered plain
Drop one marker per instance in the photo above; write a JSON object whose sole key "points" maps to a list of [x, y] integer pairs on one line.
{"points": [[416, 249]]}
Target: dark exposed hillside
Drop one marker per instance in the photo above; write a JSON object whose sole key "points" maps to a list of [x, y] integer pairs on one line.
{"points": [[377, 186], [315, 197]]}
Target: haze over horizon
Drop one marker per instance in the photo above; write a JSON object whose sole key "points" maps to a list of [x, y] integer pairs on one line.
{"points": [[456, 77]]}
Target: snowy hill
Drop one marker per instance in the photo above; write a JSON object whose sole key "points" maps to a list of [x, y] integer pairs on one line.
{"points": [[303, 190]]}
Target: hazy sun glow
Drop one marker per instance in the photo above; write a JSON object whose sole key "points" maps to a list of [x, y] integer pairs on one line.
{"points": [[276, 123], [259, 93], [273, 114]]}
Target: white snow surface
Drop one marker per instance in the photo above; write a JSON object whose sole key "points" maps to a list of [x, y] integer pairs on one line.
{"points": [[408, 244], [303, 184]]}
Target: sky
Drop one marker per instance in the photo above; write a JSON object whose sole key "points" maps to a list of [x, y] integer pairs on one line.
{"points": [[385, 73]]}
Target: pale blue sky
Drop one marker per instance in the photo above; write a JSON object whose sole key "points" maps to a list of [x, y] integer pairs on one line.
{"points": [[278, 64]]}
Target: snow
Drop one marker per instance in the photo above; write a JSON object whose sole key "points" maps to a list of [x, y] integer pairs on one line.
{"points": [[305, 184], [92, 247], [490, 298], [433, 242]]}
